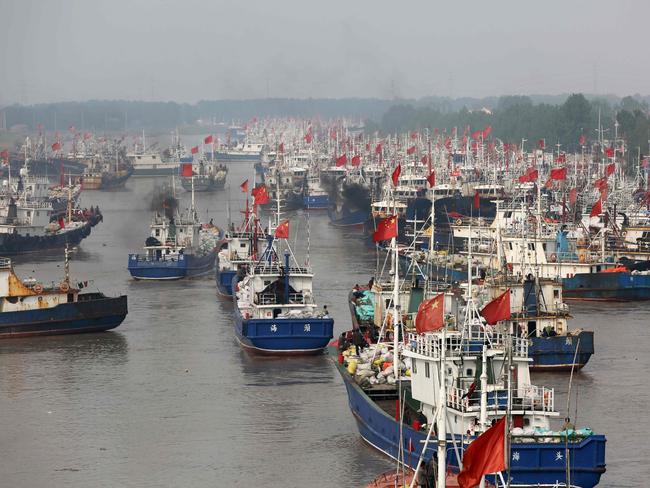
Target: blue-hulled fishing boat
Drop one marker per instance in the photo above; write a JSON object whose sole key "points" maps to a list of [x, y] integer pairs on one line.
{"points": [[275, 310], [30, 308]]}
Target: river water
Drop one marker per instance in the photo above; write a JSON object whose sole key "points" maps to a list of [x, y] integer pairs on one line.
{"points": [[169, 398]]}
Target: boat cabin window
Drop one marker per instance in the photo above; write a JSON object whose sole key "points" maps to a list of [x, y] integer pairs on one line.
{"points": [[70, 297], [532, 327], [531, 246], [470, 372], [426, 369], [556, 293], [510, 245], [544, 246], [242, 244], [12, 299]]}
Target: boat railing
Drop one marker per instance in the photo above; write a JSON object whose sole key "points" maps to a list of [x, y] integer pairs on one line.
{"points": [[530, 398], [466, 344], [272, 299], [5, 263], [274, 268]]}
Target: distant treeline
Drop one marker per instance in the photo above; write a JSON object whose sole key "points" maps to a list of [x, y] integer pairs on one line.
{"points": [[115, 115], [556, 118], [514, 118]]}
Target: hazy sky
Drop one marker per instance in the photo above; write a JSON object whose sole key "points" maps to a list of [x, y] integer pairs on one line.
{"points": [[186, 50]]}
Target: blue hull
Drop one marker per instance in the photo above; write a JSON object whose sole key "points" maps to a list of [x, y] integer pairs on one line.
{"points": [[224, 281], [557, 353], [614, 287], [283, 337], [355, 218], [186, 266], [318, 202], [93, 313], [534, 463]]}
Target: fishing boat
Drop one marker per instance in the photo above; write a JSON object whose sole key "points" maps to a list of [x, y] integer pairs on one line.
{"points": [[242, 152], [275, 309], [31, 308], [107, 172], [426, 398], [203, 176], [176, 248]]}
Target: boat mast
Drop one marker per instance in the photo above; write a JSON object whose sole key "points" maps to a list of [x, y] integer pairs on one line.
{"points": [[442, 417]]}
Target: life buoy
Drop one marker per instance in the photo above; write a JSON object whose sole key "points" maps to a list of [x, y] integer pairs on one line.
{"points": [[553, 257], [64, 287], [38, 288], [624, 233], [459, 222]]}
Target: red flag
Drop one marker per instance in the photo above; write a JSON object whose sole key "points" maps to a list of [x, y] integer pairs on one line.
{"points": [[281, 147], [4, 154], [410, 150], [386, 229], [609, 152], [601, 183], [333, 134], [485, 455], [541, 144], [396, 172], [414, 135], [561, 158], [558, 174], [309, 137], [56, 146], [597, 209], [282, 230], [356, 160], [530, 175], [342, 160], [583, 140], [378, 148], [186, 169], [573, 196], [549, 183], [61, 223], [497, 309], [260, 195], [208, 140], [432, 179], [425, 159], [430, 315], [487, 131], [244, 186], [644, 163], [195, 150], [476, 135], [609, 169], [477, 200]]}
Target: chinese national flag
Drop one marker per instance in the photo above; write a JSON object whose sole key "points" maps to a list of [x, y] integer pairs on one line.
{"points": [[477, 200], [61, 222], [410, 150], [356, 160], [414, 135], [430, 315], [583, 140], [56, 146], [573, 196], [342, 160], [186, 169], [485, 455], [541, 144], [396, 172], [432, 179], [281, 147], [487, 131], [195, 150], [558, 174], [597, 209], [4, 154], [497, 309], [601, 183], [386, 229], [282, 230], [309, 138], [208, 140], [609, 169], [378, 149], [244, 186], [260, 195], [609, 152]]}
